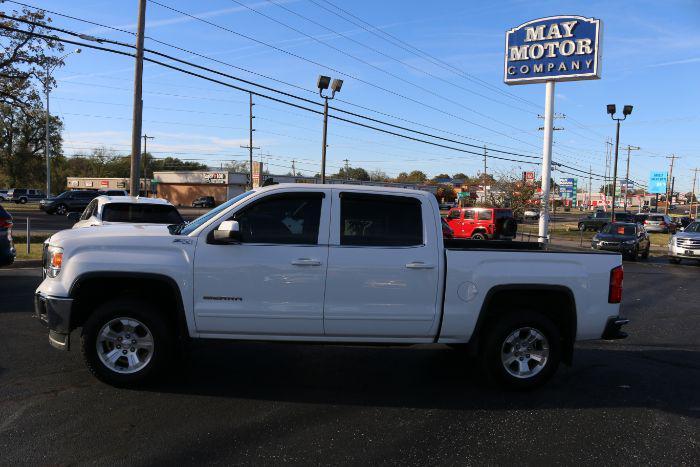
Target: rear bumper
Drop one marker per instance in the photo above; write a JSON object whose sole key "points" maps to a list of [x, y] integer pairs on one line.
{"points": [[55, 314], [613, 328]]}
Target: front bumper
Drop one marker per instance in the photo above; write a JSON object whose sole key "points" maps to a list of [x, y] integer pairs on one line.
{"points": [[55, 314], [619, 247], [613, 328], [680, 252]]}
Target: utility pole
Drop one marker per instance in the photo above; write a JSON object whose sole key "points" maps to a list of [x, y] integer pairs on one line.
{"points": [[627, 176], [590, 185], [138, 102], [145, 150], [692, 195], [250, 146], [485, 153], [347, 169], [673, 158], [608, 160]]}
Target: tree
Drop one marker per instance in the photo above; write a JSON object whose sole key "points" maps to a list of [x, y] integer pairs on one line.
{"points": [[353, 173], [441, 177], [445, 192], [25, 58], [22, 143], [460, 176], [378, 175], [415, 176]]}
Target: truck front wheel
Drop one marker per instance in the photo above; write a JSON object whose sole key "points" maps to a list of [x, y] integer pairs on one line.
{"points": [[521, 350], [126, 342]]}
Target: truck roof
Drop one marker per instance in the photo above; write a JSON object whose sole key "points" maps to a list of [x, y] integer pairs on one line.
{"points": [[104, 199], [344, 186]]}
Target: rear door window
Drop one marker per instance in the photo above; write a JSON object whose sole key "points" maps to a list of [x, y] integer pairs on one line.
{"points": [[484, 215], [380, 220]]}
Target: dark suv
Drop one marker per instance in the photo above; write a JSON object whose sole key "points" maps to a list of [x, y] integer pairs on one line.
{"points": [[203, 202], [67, 201], [24, 195], [600, 219]]}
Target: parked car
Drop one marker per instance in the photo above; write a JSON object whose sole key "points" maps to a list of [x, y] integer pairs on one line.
{"points": [[204, 202], [24, 195], [482, 223], [447, 231], [600, 219], [113, 193], [640, 218], [7, 248], [105, 210], [628, 238], [531, 214], [3, 195], [660, 223], [685, 244], [322, 263], [68, 201]]}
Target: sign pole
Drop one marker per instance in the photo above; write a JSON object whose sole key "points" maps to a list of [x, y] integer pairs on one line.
{"points": [[546, 160]]}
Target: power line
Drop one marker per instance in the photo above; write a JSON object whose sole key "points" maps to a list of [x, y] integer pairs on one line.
{"points": [[377, 51], [270, 97], [374, 85], [418, 52]]}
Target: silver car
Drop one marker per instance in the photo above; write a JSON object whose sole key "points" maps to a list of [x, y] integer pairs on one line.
{"points": [[685, 244], [660, 223]]}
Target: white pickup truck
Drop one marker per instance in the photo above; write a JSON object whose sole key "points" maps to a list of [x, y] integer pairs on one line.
{"points": [[322, 263]]}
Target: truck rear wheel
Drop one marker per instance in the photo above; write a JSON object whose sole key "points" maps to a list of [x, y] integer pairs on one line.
{"points": [[126, 342], [521, 350]]}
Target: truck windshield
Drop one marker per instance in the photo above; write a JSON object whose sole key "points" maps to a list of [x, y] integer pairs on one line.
{"points": [[186, 229]]}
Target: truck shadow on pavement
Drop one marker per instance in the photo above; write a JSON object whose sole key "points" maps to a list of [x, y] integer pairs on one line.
{"points": [[435, 377]]}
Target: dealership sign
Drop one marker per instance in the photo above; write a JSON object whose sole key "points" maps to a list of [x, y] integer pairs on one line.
{"points": [[658, 182], [557, 48]]}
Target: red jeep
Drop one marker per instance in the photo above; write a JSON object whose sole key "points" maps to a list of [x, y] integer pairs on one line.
{"points": [[482, 223]]}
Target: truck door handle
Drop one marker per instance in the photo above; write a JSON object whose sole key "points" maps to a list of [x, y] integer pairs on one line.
{"points": [[306, 262], [419, 265]]}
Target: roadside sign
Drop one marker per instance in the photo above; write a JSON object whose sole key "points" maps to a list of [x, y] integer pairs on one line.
{"points": [[657, 182], [557, 48]]}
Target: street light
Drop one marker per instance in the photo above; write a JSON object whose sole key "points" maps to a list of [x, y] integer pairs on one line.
{"points": [[627, 110], [47, 90], [322, 84]]}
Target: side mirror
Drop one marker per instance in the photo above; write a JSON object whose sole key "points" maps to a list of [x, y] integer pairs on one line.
{"points": [[74, 216], [681, 229], [227, 232]]}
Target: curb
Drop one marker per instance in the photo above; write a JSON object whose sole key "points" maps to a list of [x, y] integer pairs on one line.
{"points": [[24, 263]]}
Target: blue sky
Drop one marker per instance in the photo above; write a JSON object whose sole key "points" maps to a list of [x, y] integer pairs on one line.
{"points": [[651, 60]]}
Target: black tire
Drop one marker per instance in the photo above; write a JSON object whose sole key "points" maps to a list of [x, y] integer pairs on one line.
{"points": [[23, 201], [645, 255], [673, 260], [494, 344], [478, 236], [155, 323], [61, 210], [582, 227]]}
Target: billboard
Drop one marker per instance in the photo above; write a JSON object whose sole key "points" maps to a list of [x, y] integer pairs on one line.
{"points": [[556, 48], [568, 188], [529, 178], [257, 174], [658, 182]]}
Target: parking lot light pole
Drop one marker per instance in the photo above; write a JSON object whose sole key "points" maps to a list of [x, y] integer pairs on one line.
{"points": [[47, 91], [322, 84], [627, 110]]}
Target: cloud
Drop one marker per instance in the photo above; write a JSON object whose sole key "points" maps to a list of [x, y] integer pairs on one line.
{"points": [[675, 62]]}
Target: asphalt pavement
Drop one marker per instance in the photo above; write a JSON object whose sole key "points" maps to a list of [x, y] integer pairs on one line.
{"points": [[623, 402]]}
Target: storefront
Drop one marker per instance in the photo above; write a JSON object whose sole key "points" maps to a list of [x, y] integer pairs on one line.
{"points": [[181, 188]]}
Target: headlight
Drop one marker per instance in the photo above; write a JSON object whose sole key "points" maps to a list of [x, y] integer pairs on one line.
{"points": [[54, 260]]}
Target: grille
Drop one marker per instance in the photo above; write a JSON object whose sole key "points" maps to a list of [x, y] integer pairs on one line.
{"points": [[690, 243]]}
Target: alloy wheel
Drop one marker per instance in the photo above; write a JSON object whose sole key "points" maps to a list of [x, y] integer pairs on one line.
{"points": [[125, 345], [525, 352]]}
